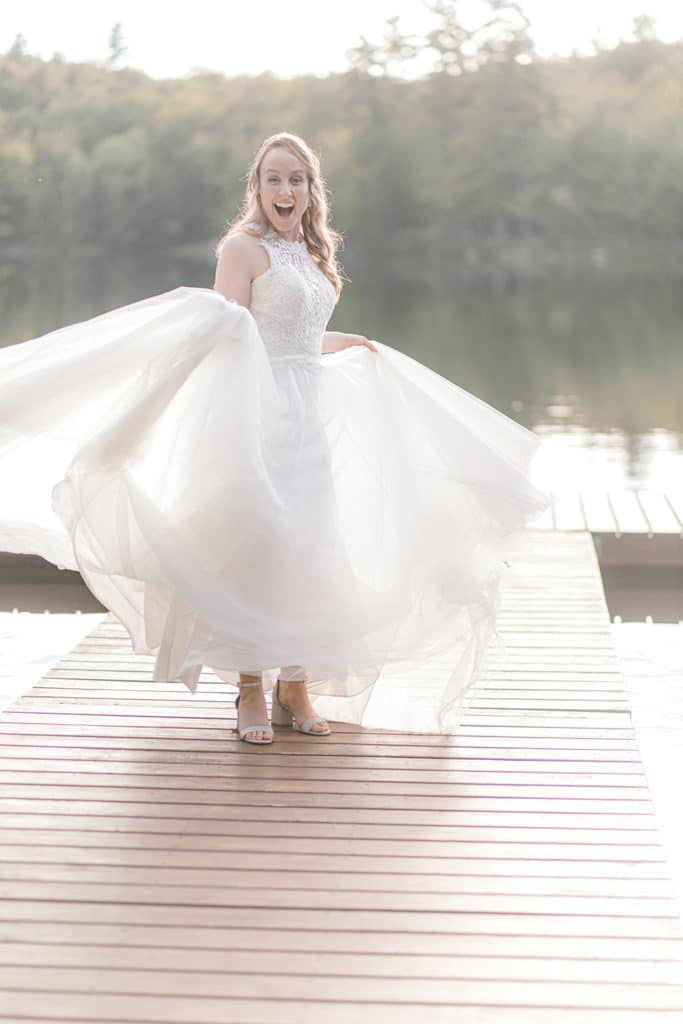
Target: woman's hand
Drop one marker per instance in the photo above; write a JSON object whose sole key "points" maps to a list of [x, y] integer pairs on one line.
{"points": [[335, 341]]}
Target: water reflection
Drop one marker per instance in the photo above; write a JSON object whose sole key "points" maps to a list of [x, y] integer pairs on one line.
{"points": [[592, 366], [576, 458]]}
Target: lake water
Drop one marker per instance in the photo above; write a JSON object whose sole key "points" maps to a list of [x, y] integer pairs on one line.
{"points": [[594, 367]]}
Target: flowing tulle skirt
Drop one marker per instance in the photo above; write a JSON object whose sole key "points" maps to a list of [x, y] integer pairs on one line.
{"points": [[340, 519]]}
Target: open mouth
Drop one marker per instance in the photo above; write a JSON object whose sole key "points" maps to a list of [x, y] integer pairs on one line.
{"points": [[284, 209]]}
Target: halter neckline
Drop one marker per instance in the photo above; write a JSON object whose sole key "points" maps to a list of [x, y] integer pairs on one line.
{"points": [[273, 235]]}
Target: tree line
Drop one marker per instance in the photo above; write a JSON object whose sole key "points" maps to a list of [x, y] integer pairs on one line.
{"points": [[490, 164]]}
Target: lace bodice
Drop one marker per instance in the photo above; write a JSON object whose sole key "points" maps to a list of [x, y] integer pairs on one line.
{"points": [[292, 301]]}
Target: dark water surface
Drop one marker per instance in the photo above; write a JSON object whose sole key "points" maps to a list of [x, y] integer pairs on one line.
{"points": [[594, 367]]}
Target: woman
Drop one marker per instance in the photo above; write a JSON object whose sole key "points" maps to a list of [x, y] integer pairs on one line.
{"points": [[284, 210], [302, 511]]}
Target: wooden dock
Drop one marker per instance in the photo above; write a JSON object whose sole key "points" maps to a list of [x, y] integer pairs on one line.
{"points": [[155, 869], [618, 512]]}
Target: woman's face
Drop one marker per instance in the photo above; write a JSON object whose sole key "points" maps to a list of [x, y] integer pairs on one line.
{"points": [[283, 188]]}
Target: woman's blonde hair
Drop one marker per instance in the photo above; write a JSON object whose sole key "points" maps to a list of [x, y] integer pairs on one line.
{"points": [[321, 240]]}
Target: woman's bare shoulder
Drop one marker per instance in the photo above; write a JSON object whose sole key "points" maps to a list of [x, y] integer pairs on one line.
{"points": [[244, 247], [242, 242]]}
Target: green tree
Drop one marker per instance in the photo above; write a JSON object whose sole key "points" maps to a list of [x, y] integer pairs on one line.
{"points": [[117, 45]]}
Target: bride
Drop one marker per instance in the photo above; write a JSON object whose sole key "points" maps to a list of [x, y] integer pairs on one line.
{"points": [[303, 511]]}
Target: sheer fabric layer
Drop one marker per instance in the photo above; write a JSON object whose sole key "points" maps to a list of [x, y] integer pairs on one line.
{"points": [[344, 515]]}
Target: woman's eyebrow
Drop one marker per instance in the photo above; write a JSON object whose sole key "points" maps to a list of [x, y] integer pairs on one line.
{"points": [[271, 170]]}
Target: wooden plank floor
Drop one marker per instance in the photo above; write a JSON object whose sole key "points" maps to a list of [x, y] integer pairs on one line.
{"points": [[155, 869], [620, 512]]}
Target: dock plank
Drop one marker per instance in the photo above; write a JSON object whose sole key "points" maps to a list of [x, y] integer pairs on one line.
{"points": [[659, 513], [626, 511]]}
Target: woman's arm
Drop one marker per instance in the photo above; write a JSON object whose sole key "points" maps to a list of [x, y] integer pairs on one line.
{"points": [[241, 259], [335, 341]]}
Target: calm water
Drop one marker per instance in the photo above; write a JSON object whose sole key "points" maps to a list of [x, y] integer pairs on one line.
{"points": [[594, 368]]}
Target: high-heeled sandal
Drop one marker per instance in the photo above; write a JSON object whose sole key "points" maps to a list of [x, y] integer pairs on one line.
{"points": [[244, 731], [282, 714]]}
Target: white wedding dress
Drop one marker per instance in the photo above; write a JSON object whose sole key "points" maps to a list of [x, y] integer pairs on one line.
{"points": [[242, 502]]}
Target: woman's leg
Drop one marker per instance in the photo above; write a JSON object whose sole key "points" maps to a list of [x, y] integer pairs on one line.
{"points": [[253, 708], [292, 692]]}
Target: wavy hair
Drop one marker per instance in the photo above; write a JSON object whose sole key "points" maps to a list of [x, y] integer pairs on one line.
{"points": [[321, 239]]}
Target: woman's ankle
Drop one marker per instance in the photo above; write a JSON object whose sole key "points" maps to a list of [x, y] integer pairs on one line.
{"points": [[291, 685], [249, 681]]}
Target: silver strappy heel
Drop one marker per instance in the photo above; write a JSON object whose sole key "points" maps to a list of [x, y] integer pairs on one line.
{"points": [[244, 731], [282, 714]]}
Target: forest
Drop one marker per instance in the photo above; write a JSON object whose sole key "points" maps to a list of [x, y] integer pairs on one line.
{"points": [[491, 164]]}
